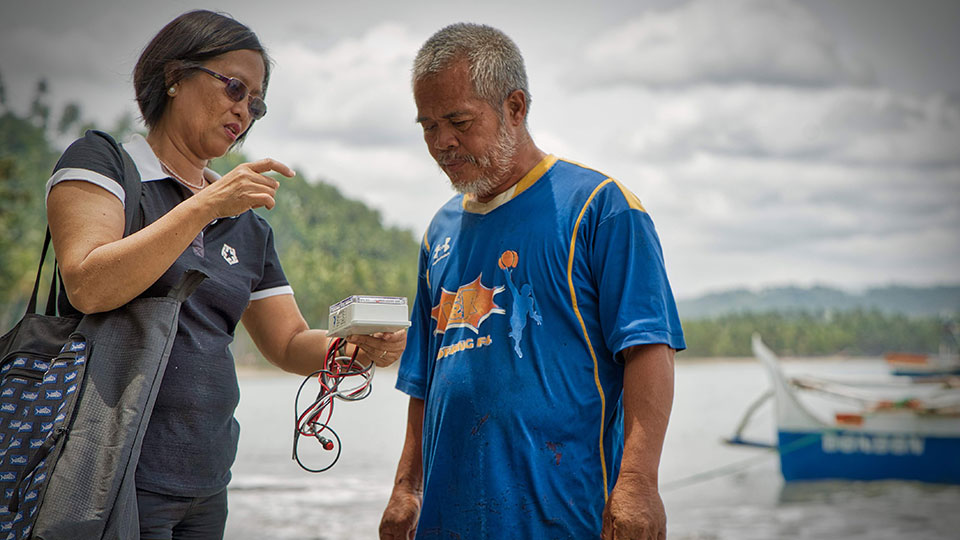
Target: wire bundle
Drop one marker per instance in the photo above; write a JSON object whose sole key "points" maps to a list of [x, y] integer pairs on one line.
{"points": [[314, 421]]}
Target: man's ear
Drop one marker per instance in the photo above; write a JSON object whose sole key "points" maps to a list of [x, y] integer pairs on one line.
{"points": [[515, 107]]}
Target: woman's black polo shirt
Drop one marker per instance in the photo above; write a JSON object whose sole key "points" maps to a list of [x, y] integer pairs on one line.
{"points": [[191, 440]]}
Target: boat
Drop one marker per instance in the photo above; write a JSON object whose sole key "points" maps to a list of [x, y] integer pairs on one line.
{"points": [[947, 362], [922, 365], [890, 428]]}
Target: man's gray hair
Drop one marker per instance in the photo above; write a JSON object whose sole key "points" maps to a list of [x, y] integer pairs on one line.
{"points": [[496, 66]]}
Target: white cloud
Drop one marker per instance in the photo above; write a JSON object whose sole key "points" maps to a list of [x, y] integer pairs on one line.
{"points": [[78, 68], [345, 114], [356, 91], [721, 41], [757, 141], [763, 184], [727, 221], [848, 125]]}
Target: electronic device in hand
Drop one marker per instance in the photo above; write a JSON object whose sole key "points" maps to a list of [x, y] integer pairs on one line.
{"points": [[368, 315]]}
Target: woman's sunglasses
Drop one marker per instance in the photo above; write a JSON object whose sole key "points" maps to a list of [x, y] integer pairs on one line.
{"points": [[236, 90]]}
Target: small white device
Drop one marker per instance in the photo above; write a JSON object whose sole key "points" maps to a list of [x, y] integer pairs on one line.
{"points": [[368, 315]]}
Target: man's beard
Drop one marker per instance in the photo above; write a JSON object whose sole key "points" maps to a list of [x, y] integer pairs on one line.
{"points": [[492, 167]]}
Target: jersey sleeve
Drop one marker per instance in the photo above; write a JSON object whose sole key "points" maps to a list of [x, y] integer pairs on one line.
{"points": [[636, 304], [90, 159], [412, 375], [274, 281]]}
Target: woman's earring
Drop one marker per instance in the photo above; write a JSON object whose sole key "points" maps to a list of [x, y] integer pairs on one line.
{"points": [[171, 91]]}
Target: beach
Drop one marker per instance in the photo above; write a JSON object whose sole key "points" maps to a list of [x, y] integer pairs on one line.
{"points": [[711, 490]]}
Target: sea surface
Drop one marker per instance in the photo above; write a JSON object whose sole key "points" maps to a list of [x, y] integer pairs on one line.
{"points": [[711, 490]]}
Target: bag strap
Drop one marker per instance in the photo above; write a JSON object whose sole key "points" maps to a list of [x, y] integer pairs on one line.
{"points": [[32, 304], [132, 189], [133, 222], [189, 281], [51, 309]]}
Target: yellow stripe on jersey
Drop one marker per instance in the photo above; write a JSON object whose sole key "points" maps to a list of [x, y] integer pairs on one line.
{"points": [[586, 336], [535, 174], [426, 244], [472, 205], [632, 199]]}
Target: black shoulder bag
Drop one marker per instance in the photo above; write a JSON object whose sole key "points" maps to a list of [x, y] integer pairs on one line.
{"points": [[76, 394]]}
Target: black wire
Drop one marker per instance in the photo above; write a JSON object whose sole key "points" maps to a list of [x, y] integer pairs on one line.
{"points": [[296, 414], [323, 427], [332, 382], [296, 456]]}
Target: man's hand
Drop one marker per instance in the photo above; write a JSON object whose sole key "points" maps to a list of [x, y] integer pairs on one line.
{"points": [[399, 520], [634, 511]]}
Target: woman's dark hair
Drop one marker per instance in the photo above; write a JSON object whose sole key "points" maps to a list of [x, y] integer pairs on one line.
{"points": [[185, 43]]}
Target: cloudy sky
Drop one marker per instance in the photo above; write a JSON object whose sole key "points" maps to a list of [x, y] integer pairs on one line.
{"points": [[773, 141]]}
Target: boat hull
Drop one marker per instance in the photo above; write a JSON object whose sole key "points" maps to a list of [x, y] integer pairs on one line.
{"points": [[859, 455], [916, 372]]}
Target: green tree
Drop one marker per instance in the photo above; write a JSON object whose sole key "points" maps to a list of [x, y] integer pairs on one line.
{"points": [[123, 127], [3, 94], [26, 159], [855, 332], [39, 109], [68, 118]]}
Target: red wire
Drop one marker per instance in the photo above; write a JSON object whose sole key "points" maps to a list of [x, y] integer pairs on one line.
{"points": [[329, 379]]}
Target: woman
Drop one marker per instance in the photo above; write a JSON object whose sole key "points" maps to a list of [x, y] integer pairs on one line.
{"points": [[200, 85]]}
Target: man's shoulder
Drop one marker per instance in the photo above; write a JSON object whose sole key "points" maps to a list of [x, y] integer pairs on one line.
{"points": [[585, 173], [593, 187], [449, 211]]}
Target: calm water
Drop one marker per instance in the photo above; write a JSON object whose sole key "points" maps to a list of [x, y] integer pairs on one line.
{"points": [[711, 490]]}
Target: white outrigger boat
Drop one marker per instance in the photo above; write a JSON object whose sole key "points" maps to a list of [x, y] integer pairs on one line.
{"points": [[902, 428], [923, 365], [947, 362]]}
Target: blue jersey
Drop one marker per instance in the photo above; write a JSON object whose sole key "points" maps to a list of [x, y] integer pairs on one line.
{"points": [[522, 306]]}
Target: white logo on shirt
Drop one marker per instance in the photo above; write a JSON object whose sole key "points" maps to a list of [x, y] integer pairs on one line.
{"points": [[441, 251], [229, 254]]}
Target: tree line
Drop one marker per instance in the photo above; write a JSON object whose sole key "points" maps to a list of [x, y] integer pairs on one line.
{"points": [[857, 332]]}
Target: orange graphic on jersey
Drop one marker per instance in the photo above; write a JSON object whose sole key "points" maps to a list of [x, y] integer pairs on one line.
{"points": [[508, 259], [466, 308]]}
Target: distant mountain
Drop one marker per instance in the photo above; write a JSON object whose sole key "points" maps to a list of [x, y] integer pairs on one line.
{"points": [[912, 301]]}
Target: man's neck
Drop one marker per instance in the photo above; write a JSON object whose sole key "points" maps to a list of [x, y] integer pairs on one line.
{"points": [[527, 157]]}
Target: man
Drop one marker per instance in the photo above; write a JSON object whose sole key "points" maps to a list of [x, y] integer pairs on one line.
{"points": [[540, 360]]}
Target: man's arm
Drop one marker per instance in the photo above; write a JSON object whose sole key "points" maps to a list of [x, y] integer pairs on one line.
{"points": [[634, 509], [399, 520]]}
